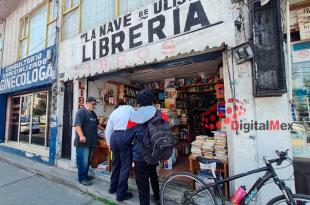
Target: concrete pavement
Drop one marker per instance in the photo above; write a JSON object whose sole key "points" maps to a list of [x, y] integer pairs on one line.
{"points": [[19, 187]]}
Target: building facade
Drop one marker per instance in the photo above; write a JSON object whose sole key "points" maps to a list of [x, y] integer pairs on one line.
{"points": [[110, 49], [27, 76]]}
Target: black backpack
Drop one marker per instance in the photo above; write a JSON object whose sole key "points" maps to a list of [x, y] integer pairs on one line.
{"points": [[159, 145]]}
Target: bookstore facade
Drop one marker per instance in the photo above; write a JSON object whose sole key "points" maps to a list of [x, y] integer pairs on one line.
{"points": [[185, 75], [190, 68]]}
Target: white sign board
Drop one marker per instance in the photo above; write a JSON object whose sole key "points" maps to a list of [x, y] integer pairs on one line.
{"points": [[301, 52], [161, 30]]}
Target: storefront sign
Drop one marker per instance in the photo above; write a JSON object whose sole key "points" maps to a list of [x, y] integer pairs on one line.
{"points": [[162, 29], [304, 23], [33, 71], [161, 20], [81, 95]]}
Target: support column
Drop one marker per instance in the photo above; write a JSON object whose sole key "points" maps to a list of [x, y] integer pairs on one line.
{"points": [[79, 98]]}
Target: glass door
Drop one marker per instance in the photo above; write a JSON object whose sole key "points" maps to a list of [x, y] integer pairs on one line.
{"points": [[25, 130], [14, 119], [29, 119], [39, 119]]}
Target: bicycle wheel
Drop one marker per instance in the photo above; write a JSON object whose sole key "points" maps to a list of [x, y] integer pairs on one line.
{"points": [[299, 199], [191, 192]]}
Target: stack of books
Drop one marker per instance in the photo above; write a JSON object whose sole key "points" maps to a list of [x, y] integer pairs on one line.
{"points": [[208, 148], [197, 145], [220, 146]]}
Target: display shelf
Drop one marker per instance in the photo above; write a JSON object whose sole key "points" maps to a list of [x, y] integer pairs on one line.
{"points": [[195, 85], [203, 91]]}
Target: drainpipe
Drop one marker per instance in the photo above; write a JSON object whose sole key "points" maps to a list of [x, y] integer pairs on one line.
{"points": [[3, 40], [2, 98], [289, 52], [53, 118]]}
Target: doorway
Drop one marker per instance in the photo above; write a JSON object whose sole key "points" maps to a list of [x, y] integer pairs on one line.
{"points": [[67, 121]]}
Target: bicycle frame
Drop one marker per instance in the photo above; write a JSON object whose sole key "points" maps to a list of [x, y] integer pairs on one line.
{"points": [[270, 174]]}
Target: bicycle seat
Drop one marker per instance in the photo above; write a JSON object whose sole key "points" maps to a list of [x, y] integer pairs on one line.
{"points": [[207, 161]]}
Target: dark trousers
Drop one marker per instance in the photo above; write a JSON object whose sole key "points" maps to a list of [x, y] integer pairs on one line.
{"points": [[144, 174], [121, 163], [83, 157]]}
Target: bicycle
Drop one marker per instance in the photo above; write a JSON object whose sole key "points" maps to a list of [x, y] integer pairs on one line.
{"points": [[203, 193]]}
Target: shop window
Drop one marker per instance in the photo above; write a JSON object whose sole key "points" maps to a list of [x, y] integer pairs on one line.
{"points": [[95, 12], [127, 6], [37, 29], [28, 119], [300, 78]]}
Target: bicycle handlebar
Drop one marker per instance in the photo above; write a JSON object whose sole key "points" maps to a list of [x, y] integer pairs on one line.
{"points": [[282, 156]]}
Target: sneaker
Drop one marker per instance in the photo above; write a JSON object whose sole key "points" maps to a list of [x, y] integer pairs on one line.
{"points": [[89, 177], [127, 196], [86, 182], [112, 191]]}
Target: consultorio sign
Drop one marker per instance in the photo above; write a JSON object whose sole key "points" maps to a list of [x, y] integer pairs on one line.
{"points": [[161, 20], [35, 70]]}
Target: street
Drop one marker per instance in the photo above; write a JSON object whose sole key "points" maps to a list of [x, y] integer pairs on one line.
{"points": [[18, 187]]}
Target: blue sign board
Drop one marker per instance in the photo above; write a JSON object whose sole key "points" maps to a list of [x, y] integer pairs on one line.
{"points": [[33, 71]]}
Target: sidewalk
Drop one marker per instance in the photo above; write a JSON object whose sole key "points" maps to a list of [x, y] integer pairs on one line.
{"points": [[98, 189], [100, 186]]}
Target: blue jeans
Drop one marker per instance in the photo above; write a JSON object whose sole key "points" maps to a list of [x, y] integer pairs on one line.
{"points": [[83, 157]]}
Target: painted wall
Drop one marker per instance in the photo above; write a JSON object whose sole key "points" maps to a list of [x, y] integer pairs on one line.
{"points": [[246, 150], [12, 29], [80, 88]]}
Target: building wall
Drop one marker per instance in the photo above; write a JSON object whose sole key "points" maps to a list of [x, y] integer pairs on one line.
{"points": [[246, 150], [12, 30]]}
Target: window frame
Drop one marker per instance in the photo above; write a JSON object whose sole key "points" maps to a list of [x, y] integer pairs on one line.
{"points": [[79, 7], [25, 25]]}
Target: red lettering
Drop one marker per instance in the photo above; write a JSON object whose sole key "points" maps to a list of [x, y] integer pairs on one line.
{"points": [[274, 125], [81, 100], [81, 85], [235, 125]]}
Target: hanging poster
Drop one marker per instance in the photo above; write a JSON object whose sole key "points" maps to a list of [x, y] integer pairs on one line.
{"points": [[304, 23]]}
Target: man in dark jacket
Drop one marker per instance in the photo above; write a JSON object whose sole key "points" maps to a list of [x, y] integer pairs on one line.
{"points": [[138, 125]]}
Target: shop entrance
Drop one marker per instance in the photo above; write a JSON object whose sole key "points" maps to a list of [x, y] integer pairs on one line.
{"points": [[191, 94], [67, 119]]}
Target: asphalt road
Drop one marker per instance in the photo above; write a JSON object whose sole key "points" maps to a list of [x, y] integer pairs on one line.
{"points": [[18, 187]]}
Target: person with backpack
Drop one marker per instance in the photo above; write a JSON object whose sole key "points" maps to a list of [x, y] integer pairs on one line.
{"points": [[151, 135]]}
